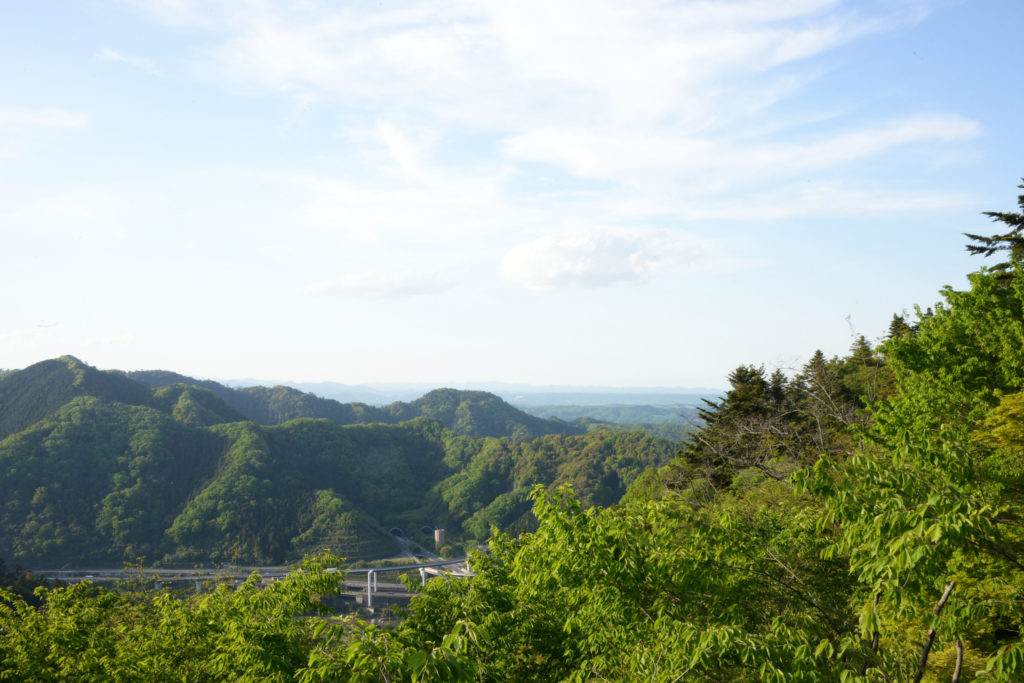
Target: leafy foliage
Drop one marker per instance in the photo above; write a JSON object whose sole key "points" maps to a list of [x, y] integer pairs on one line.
{"points": [[771, 426], [936, 499], [251, 633], [23, 583], [494, 477]]}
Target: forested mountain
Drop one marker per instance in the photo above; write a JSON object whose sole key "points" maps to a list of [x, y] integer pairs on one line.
{"points": [[97, 467], [473, 413], [620, 413], [478, 413], [29, 395], [670, 422]]}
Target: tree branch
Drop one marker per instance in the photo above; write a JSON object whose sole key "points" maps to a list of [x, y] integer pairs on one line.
{"points": [[931, 633], [959, 660]]}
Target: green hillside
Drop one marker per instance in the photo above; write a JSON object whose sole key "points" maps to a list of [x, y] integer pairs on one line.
{"points": [[178, 471], [29, 395], [478, 413], [97, 476], [493, 477], [193, 405], [269, 405], [472, 413]]}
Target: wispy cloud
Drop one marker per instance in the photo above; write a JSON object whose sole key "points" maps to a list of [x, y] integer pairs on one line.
{"points": [[377, 286], [16, 118], [595, 256], [405, 152], [648, 158], [680, 111], [635, 94], [512, 65], [106, 54]]}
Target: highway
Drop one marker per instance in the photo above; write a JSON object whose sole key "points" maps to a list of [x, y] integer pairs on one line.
{"points": [[363, 583]]}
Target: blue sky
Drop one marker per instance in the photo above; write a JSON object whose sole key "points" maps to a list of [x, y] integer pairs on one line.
{"points": [[591, 193]]}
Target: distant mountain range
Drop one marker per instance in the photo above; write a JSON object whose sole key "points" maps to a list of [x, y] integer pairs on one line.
{"points": [[471, 413], [106, 466], [517, 394]]}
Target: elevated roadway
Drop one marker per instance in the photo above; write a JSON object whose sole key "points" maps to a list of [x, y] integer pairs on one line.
{"points": [[363, 583]]}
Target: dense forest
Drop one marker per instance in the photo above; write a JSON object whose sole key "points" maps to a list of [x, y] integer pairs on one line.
{"points": [[858, 520], [672, 422], [105, 467]]}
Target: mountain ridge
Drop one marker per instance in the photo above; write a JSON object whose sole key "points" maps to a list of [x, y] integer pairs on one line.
{"points": [[469, 412], [109, 469]]}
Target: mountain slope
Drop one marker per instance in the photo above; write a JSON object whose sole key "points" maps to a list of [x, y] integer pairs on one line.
{"points": [[29, 395], [119, 470], [478, 413], [472, 413], [96, 476]]}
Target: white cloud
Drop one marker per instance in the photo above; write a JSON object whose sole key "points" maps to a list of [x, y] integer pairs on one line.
{"points": [[648, 95], [376, 286], [599, 256], [409, 155], [107, 54], [671, 106], [652, 158], [510, 66], [16, 118]]}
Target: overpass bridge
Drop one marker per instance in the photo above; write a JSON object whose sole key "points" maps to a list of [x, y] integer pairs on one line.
{"points": [[360, 583]]}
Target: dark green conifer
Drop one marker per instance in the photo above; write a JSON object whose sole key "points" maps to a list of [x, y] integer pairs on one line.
{"points": [[1012, 241], [777, 388], [898, 327]]}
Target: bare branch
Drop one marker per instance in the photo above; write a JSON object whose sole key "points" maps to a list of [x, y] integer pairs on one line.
{"points": [[931, 633]]}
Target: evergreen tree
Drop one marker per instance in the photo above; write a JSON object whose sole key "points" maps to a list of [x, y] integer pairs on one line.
{"points": [[898, 327], [1011, 241], [777, 388]]}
